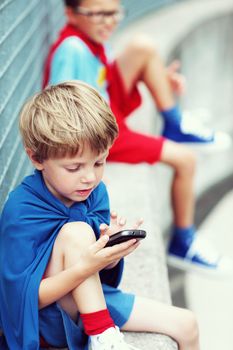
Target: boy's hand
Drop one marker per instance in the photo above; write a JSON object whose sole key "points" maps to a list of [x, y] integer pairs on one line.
{"points": [[108, 257], [117, 224], [177, 80]]}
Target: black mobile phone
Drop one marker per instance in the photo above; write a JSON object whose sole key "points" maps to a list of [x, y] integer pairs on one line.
{"points": [[124, 236]]}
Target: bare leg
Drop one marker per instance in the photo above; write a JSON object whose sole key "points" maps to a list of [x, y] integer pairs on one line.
{"points": [[88, 296], [151, 316], [182, 160], [141, 62]]}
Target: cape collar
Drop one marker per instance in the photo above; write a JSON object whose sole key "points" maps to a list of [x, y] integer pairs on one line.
{"points": [[68, 31], [96, 48]]}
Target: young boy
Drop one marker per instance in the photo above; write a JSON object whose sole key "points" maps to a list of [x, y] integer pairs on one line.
{"points": [[50, 283], [79, 53]]}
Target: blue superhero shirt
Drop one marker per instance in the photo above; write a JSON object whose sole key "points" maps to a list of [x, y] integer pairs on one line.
{"points": [[73, 60]]}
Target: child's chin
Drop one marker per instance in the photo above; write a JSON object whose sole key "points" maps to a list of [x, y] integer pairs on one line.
{"points": [[103, 38]]}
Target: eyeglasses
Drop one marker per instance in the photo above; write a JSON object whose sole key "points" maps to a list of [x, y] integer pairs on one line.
{"points": [[98, 17]]}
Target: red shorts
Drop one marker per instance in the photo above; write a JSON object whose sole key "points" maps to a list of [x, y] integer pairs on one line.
{"points": [[44, 344], [130, 146]]}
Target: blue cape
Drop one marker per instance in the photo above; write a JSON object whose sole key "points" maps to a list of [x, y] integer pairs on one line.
{"points": [[30, 222]]}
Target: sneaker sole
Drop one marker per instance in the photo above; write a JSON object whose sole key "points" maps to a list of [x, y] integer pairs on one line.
{"points": [[131, 347], [221, 143], [187, 266]]}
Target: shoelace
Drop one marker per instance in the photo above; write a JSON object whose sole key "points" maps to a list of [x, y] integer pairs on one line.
{"points": [[115, 341]]}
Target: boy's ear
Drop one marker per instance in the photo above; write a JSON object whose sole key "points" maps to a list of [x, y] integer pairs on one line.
{"points": [[38, 165], [70, 15]]}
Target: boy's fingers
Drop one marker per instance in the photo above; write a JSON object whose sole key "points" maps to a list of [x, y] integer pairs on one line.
{"points": [[122, 221], [130, 248], [117, 251], [113, 217], [174, 66], [103, 227], [180, 84], [120, 249], [113, 214], [138, 223], [100, 243]]}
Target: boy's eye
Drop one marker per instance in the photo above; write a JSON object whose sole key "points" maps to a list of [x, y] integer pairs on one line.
{"points": [[99, 164], [72, 170]]}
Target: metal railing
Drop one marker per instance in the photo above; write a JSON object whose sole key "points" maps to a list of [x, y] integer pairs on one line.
{"points": [[26, 30], [25, 33]]}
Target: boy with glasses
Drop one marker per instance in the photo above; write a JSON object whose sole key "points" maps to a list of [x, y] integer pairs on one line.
{"points": [[80, 53], [101, 16]]}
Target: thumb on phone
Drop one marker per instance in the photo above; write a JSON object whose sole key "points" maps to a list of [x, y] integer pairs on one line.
{"points": [[100, 243]]}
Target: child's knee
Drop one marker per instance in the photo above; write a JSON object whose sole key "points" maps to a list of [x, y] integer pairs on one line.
{"points": [[76, 234], [186, 163], [143, 46], [180, 158]]}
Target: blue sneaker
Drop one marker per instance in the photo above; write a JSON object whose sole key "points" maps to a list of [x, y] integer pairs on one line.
{"points": [[192, 133], [195, 254]]}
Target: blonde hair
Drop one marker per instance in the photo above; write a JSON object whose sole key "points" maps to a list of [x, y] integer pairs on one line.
{"points": [[62, 118]]}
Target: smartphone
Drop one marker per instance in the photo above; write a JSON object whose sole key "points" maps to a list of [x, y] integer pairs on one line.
{"points": [[124, 236]]}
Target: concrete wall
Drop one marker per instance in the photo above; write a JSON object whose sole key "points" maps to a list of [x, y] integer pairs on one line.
{"points": [[206, 53], [136, 9]]}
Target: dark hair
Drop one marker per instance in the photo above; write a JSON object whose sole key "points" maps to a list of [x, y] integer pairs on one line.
{"points": [[72, 3]]}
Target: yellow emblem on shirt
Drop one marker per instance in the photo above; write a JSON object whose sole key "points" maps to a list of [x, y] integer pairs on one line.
{"points": [[101, 77]]}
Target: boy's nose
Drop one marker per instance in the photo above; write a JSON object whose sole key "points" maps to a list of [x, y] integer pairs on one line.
{"points": [[89, 177]]}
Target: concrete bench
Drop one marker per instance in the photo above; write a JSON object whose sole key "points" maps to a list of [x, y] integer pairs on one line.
{"points": [[145, 270], [142, 190]]}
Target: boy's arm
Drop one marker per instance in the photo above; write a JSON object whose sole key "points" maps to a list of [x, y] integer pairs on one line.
{"points": [[54, 288]]}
